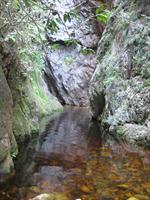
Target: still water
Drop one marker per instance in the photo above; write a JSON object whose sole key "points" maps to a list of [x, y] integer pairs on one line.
{"points": [[73, 160]]}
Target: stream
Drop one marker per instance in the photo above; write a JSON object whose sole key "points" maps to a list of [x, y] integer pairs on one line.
{"points": [[73, 160]]}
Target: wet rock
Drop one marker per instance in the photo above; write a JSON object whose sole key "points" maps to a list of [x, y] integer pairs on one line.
{"points": [[43, 197], [135, 133], [85, 189], [123, 186], [55, 196], [69, 67], [141, 196], [132, 198], [122, 74]]}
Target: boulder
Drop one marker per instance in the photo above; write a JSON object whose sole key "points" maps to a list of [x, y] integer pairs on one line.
{"points": [[134, 133]]}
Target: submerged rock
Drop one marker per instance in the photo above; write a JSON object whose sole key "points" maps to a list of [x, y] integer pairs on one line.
{"points": [[55, 196], [43, 197], [122, 76], [132, 198]]}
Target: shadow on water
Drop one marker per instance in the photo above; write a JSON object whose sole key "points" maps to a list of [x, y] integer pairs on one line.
{"points": [[72, 157]]}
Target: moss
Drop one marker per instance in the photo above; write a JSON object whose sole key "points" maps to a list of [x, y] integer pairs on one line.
{"points": [[120, 131], [31, 101], [147, 83], [46, 104], [21, 123], [30, 108]]}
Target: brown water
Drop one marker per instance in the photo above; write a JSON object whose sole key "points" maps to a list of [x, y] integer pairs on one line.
{"points": [[72, 160]]}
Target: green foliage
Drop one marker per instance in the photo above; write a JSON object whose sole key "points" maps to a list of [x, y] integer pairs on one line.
{"points": [[86, 51], [120, 131], [16, 4], [24, 25], [70, 42], [102, 14], [28, 2], [68, 16], [147, 82], [55, 46], [55, 20], [145, 72], [52, 25]]}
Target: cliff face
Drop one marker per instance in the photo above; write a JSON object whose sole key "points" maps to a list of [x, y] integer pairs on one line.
{"points": [[71, 58], [24, 97], [120, 86], [24, 100]]}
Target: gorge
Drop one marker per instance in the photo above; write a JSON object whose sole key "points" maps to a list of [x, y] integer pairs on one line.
{"points": [[74, 99]]}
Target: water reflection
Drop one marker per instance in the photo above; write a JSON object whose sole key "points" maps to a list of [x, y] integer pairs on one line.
{"points": [[72, 158], [68, 137]]}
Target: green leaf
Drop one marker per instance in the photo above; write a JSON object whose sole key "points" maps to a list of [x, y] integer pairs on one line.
{"points": [[99, 10], [102, 14], [70, 42], [67, 17], [86, 51], [52, 26]]}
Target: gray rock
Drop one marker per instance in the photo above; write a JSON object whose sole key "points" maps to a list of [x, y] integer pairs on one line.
{"points": [[82, 28], [122, 75], [6, 163], [68, 73], [136, 134], [70, 67]]}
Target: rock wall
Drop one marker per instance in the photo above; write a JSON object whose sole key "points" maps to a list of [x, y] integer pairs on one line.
{"points": [[24, 99], [7, 140], [120, 86], [71, 58]]}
